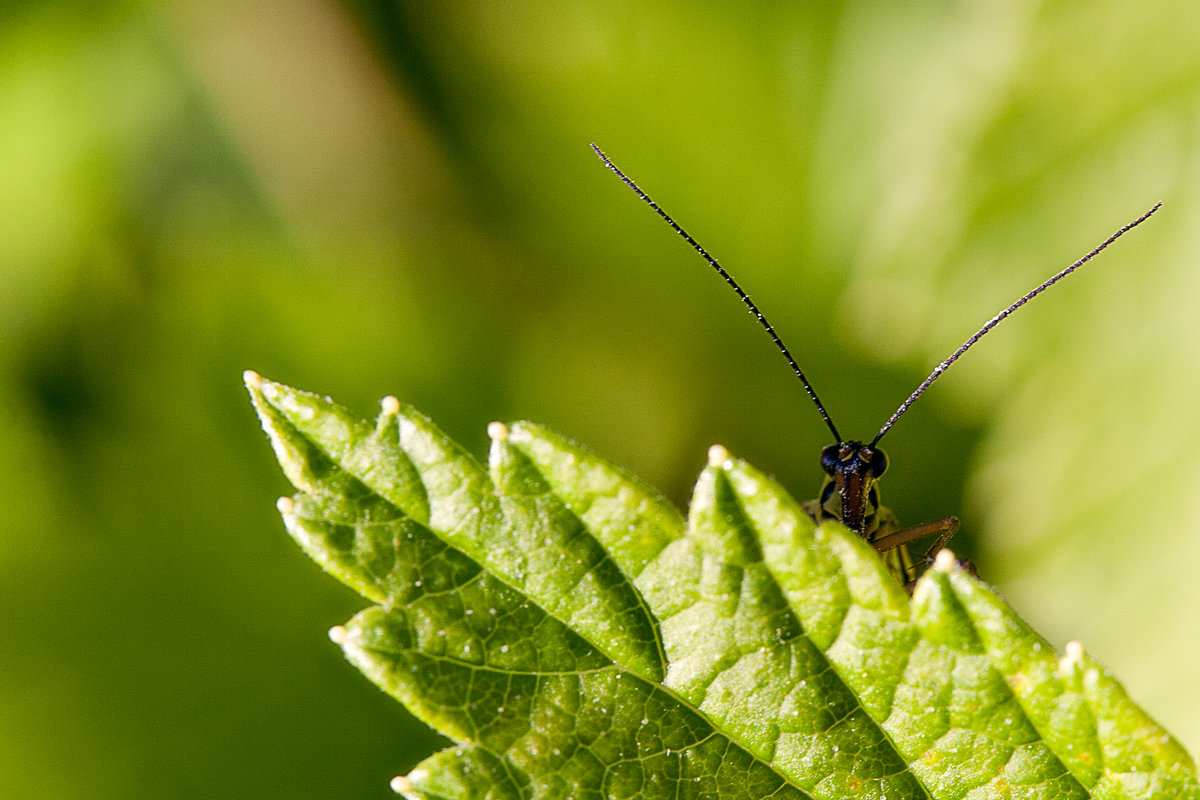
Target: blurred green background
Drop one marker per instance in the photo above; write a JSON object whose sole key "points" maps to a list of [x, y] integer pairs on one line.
{"points": [[387, 198]]}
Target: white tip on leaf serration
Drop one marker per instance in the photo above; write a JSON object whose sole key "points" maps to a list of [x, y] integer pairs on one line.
{"points": [[285, 505], [400, 784], [252, 379], [1072, 658], [945, 560], [390, 406], [337, 634], [497, 431], [718, 456]]}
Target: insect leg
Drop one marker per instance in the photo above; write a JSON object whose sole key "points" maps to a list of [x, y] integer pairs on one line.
{"points": [[946, 527]]}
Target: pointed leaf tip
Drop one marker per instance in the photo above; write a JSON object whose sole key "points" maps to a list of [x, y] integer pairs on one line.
{"points": [[945, 560]]}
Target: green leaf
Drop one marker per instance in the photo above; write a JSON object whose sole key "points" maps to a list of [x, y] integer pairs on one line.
{"points": [[576, 637]]}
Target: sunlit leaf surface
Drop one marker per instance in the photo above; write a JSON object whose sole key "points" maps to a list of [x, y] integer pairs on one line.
{"points": [[576, 637]]}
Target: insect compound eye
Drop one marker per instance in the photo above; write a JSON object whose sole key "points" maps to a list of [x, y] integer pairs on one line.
{"points": [[829, 459], [879, 462]]}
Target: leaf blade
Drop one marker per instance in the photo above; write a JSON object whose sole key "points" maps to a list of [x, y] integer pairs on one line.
{"points": [[577, 637]]}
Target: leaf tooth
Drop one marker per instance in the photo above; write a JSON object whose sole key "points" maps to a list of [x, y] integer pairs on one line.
{"points": [[401, 784], [1002, 709], [544, 549], [746, 658], [945, 560], [1138, 757], [305, 466], [633, 522], [360, 539], [1039, 683], [718, 456], [1072, 657], [314, 436], [716, 520], [497, 431], [455, 485]]}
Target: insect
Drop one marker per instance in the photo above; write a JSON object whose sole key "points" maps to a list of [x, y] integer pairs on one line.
{"points": [[850, 492]]}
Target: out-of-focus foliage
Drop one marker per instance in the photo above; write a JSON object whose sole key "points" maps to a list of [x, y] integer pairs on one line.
{"points": [[384, 198]]}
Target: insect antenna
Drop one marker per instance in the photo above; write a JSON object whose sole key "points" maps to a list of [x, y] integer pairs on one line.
{"points": [[996, 320], [712, 262]]}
